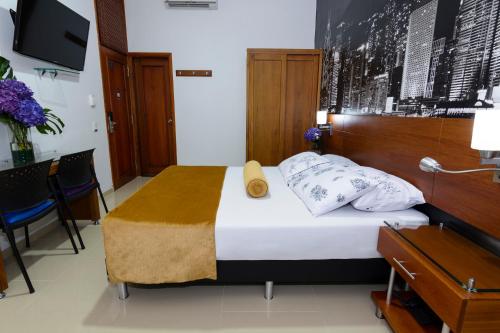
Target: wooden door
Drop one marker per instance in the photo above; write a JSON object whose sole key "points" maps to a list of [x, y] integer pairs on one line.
{"points": [[265, 108], [118, 116], [301, 101], [153, 83]]}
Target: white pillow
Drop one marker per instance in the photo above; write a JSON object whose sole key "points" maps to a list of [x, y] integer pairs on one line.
{"points": [[391, 194], [337, 159], [325, 188], [300, 162]]}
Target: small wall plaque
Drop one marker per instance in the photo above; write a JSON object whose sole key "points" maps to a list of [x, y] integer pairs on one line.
{"points": [[192, 72]]}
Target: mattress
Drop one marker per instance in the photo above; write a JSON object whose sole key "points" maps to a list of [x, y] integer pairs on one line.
{"points": [[280, 227]]}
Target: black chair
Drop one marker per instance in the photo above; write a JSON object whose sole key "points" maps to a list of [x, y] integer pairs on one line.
{"points": [[74, 179], [26, 196]]}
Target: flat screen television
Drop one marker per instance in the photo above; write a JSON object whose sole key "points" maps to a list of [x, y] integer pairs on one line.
{"points": [[50, 31]]}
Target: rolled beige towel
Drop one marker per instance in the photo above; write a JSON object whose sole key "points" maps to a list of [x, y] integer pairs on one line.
{"points": [[255, 181]]}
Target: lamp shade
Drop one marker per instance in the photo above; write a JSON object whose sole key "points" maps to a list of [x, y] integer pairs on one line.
{"points": [[322, 117], [486, 133]]}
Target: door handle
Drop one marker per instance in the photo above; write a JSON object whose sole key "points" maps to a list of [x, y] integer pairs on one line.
{"points": [[170, 121], [111, 123], [400, 264]]}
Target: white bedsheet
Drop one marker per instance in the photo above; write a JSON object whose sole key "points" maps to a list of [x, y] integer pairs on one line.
{"points": [[279, 226]]}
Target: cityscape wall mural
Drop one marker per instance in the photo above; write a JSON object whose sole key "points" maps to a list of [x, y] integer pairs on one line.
{"points": [[426, 58]]}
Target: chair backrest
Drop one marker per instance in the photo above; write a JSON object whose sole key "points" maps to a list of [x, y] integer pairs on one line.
{"points": [[75, 169], [24, 187]]}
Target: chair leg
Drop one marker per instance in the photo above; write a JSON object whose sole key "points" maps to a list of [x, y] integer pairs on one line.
{"points": [[75, 226], [102, 198], [66, 226], [19, 259], [27, 236]]}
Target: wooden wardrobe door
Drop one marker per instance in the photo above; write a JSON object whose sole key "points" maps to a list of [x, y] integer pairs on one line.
{"points": [[266, 75], [301, 101]]}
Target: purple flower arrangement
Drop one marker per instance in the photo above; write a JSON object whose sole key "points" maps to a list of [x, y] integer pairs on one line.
{"points": [[313, 134], [20, 111], [17, 103]]}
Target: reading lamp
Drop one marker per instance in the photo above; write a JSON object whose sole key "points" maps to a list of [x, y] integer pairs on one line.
{"points": [[322, 121], [485, 138]]}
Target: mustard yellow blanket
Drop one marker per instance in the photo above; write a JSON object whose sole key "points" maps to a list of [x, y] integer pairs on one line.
{"points": [[165, 233]]}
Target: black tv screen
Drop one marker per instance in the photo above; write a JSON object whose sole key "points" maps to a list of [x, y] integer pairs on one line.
{"points": [[50, 31]]}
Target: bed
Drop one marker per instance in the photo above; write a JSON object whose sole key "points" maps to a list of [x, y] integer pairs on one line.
{"points": [[270, 239], [279, 226]]}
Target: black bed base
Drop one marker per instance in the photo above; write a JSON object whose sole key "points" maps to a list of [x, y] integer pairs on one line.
{"points": [[335, 271], [304, 271]]}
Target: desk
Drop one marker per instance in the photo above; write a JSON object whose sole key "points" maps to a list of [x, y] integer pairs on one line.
{"points": [[458, 280], [85, 208]]}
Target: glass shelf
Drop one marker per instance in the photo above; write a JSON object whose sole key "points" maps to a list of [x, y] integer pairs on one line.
{"points": [[53, 72], [455, 255]]}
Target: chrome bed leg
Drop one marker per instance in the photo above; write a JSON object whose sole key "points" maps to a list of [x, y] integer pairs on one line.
{"points": [[378, 312], [269, 290], [122, 290], [2, 295], [391, 286]]}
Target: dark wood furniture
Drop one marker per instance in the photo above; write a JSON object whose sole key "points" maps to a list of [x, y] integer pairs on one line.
{"points": [[396, 145], [282, 100], [84, 208], [438, 265], [3, 278]]}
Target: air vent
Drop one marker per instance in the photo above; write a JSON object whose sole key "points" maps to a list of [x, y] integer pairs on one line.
{"points": [[203, 4]]}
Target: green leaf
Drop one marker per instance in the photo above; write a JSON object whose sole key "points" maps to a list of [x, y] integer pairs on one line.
{"points": [[5, 69], [61, 123], [56, 126], [55, 118], [41, 129], [4, 119], [51, 116]]}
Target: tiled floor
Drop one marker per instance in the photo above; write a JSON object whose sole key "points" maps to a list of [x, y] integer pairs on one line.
{"points": [[73, 295]]}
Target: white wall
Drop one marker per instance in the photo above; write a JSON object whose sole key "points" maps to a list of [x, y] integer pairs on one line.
{"points": [[65, 95], [211, 112]]}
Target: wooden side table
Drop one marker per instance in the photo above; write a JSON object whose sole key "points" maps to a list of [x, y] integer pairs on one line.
{"points": [[457, 279]]}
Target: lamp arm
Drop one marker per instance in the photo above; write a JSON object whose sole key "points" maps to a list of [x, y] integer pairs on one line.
{"points": [[466, 171]]}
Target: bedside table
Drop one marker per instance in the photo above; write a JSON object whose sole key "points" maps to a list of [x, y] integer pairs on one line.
{"points": [[456, 278]]}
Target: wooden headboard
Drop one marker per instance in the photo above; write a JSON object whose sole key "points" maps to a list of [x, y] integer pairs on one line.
{"points": [[396, 145]]}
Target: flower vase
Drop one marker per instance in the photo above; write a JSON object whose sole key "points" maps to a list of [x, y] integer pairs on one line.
{"points": [[316, 147], [21, 146]]}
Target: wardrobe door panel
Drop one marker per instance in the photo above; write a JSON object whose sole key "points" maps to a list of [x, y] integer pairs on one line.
{"points": [[265, 104], [300, 102]]}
